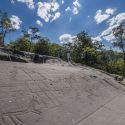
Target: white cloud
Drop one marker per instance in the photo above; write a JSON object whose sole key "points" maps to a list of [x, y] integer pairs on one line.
{"points": [[110, 11], [63, 1], [38, 22], [56, 16], [75, 11], [109, 38], [97, 38], [112, 23], [66, 38], [68, 9], [16, 22], [75, 7], [48, 11], [117, 20], [29, 3], [100, 16], [54, 6], [43, 11], [76, 3]]}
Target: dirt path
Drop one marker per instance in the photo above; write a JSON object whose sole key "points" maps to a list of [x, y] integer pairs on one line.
{"points": [[44, 94]]}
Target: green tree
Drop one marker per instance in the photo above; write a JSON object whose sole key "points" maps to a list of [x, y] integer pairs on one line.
{"points": [[32, 33], [42, 46], [5, 26], [119, 33], [98, 45], [82, 41], [89, 55], [54, 49], [21, 44]]}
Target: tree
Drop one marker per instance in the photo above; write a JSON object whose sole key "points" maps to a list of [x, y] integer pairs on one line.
{"points": [[89, 55], [54, 49], [21, 44], [32, 34], [82, 41], [5, 26], [42, 46], [119, 33], [98, 45]]}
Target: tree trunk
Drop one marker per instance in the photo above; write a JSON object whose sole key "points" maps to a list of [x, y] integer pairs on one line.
{"points": [[123, 50], [124, 64], [3, 41], [3, 37]]}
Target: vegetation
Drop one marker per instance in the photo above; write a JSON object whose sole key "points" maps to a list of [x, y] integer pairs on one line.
{"points": [[21, 44], [119, 33], [5, 26], [42, 46], [82, 50]]}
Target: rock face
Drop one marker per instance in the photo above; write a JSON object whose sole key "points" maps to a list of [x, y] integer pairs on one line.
{"points": [[9, 55], [25, 57], [35, 94], [119, 78]]}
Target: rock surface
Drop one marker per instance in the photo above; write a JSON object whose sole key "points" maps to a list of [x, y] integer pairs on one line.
{"points": [[45, 94], [26, 57]]}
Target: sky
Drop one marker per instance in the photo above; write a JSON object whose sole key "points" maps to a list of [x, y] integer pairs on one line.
{"points": [[62, 20]]}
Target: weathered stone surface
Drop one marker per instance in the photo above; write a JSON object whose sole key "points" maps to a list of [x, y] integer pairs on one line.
{"points": [[35, 94], [25, 57]]}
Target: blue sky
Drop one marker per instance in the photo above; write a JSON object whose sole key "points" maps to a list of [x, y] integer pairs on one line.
{"points": [[61, 20]]}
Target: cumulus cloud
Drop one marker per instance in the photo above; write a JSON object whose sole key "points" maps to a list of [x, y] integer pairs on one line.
{"points": [[117, 20], [66, 38], [100, 16], [29, 3], [110, 11], [97, 38], [54, 6], [56, 16], [75, 7], [16, 22], [109, 38], [112, 23], [38, 22], [48, 11]]}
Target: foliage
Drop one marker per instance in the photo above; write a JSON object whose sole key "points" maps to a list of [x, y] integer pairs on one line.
{"points": [[42, 46], [119, 33], [82, 41], [32, 33], [55, 50], [21, 44], [89, 55], [5, 26]]}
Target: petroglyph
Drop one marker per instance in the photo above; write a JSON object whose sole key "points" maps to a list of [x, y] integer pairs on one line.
{"points": [[35, 94]]}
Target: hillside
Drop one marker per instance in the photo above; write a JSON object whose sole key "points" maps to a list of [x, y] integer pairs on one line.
{"points": [[56, 94]]}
